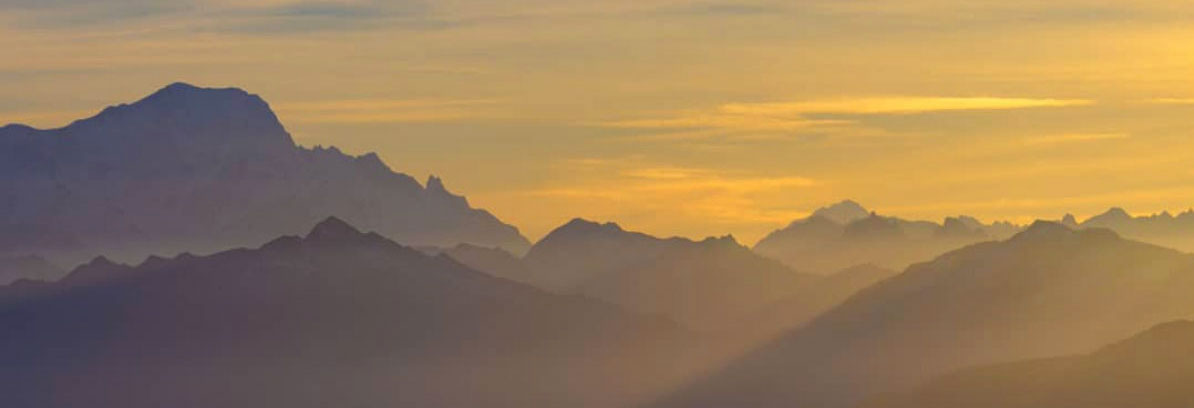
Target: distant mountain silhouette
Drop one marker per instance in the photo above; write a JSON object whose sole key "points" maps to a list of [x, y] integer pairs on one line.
{"points": [[844, 212], [1047, 291], [580, 250], [846, 234], [714, 284], [1162, 229], [200, 169], [335, 318], [703, 284], [1151, 370], [27, 267]]}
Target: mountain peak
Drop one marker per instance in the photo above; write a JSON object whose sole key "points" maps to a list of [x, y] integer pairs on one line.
{"points": [[726, 240], [434, 183], [581, 224], [960, 227], [215, 160], [222, 119], [101, 262], [183, 93], [582, 229], [1042, 229], [99, 269], [843, 212], [1117, 212], [179, 87], [1114, 213], [333, 229], [1069, 220]]}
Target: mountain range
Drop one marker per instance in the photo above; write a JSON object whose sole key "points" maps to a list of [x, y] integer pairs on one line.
{"points": [[1153, 369], [847, 234], [709, 285], [1165, 229], [200, 169], [1047, 291], [334, 318], [445, 305]]}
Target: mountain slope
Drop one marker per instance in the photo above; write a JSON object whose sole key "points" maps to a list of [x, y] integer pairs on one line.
{"points": [[200, 169], [704, 284], [1047, 291], [336, 318], [846, 234], [494, 261], [822, 295], [1153, 369]]}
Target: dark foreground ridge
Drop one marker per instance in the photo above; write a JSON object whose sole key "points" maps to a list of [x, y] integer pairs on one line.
{"points": [[335, 318]]}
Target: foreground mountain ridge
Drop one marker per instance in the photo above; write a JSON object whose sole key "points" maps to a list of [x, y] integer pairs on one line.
{"points": [[335, 317]]}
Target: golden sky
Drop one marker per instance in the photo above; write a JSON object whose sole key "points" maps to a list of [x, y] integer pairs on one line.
{"points": [[674, 117]]}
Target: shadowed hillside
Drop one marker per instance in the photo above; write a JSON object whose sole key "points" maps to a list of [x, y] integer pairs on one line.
{"points": [[335, 318], [1151, 370], [1047, 291], [704, 284]]}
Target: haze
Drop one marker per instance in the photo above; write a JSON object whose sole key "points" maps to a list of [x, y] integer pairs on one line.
{"points": [[688, 118]]}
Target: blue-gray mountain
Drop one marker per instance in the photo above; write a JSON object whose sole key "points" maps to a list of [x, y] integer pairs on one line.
{"points": [[336, 318], [196, 169]]}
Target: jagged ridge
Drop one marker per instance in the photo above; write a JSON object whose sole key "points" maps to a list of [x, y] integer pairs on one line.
{"points": [[199, 169]]}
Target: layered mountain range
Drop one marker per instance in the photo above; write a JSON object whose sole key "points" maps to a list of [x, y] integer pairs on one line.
{"points": [[198, 169], [844, 307], [1047, 291], [847, 234], [1153, 369], [334, 318], [710, 284], [1165, 229]]}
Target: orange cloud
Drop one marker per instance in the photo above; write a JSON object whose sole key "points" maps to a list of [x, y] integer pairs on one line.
{"points": [[788, 117], [1073, 137], [385, 111]]}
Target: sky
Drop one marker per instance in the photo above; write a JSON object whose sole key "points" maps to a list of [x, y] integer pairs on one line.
{"points": [[675, 117]]}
